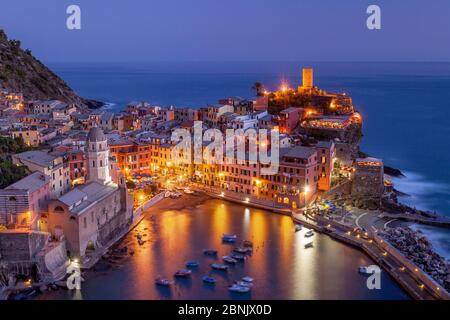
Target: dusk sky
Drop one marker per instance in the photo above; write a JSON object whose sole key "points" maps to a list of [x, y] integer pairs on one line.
{"points": [[232, 30]]}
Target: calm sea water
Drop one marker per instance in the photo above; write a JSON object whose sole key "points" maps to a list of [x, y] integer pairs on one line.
{"points": [[406, 107], [281, 266]]}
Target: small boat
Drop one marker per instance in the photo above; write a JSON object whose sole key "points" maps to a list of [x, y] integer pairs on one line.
{"points": [[309, 234], [229, 260], [244, 284], [241, 250], [188, 191], [298, 227], [183, 273], [247, 243], [238, 257], [192, 264], [162, 282], [208, 279], [167, 194], [229, 238], [219, 266], [211, 253], [247, 279], [364, 270], [308, 245], [238, 289]]}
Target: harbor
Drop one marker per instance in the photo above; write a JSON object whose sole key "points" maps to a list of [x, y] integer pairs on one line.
{"points": [[176, 231]]}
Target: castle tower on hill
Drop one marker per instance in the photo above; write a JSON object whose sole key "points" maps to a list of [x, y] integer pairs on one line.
{"points": [[308, 78]]}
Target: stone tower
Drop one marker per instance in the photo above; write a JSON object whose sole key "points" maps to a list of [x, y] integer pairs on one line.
{"points": [[97, 152]]}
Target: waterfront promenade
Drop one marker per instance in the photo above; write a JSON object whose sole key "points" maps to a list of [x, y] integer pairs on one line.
{"points": [[416, 282]]}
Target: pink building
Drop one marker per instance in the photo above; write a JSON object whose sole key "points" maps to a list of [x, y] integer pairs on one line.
{"points": [[289, 119]]}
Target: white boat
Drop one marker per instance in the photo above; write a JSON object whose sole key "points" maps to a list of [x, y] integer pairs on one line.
{"points": [[238, 289], [310, 233], [229, 237], [188, 191], [247, 279], [244, 284], [298, 227], [167, 194], [308, 245]]}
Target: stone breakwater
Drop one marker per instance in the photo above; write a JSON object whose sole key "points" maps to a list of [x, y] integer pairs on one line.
{"points": [[416, 247]]}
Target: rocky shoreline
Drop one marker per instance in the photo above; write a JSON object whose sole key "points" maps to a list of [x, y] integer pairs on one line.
{"points": [[418, 249]]}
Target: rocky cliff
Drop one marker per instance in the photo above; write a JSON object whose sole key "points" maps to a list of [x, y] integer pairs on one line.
{"points": [[21, 72]]}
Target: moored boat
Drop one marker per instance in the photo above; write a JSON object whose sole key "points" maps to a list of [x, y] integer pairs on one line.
{"points": [[238, 257], [298, 227], [183, 273], [208, 252], [364, 270], [242, 250], [219, 266], [309, 234], [308, 245], [162, 282], [238, 289], [229, 238], [247, 279], [192, 264], [229, 260], [208, 279], [244, 284]]}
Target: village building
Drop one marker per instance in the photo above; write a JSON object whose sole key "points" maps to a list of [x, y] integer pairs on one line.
{"points": [[91, 215]]}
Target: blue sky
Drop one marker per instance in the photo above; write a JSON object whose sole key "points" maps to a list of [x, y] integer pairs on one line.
{"points": [[232, 30]]}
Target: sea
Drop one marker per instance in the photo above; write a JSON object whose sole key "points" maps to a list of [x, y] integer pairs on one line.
{"points": [[405, 106]]}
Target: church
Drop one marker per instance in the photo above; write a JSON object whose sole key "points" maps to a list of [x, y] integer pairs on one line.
{"points": [[91, 215]]}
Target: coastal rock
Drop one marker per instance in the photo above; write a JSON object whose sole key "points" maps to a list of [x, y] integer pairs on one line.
{"points": [[416, 247]]}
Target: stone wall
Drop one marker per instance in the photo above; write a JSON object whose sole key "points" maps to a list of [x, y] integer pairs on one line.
{"points": [[21, 246]]}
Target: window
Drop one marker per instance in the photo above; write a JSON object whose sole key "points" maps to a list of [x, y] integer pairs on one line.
{"points": [[93, 163]]}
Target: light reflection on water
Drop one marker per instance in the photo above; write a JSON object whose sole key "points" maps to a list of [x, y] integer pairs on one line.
{"points": [[281, 266]]}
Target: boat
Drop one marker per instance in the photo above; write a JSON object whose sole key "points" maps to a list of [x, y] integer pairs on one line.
{"points": [[162, 282], [188, 191], [219, 266], [308, 245], [298, 227], [364, 270], [183, 273], [242, 250], [244, 284], [167, 194], [247, 279], [309, 234], [211, 253], [238, 257], [247, 243], [192, 264], [209, 279], [238, 289], [229, 238], [229, 260]]}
